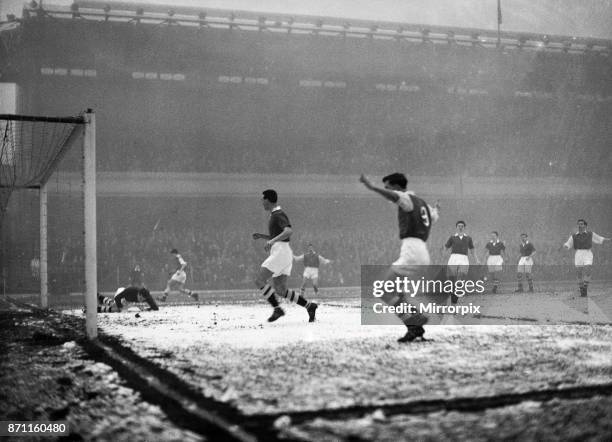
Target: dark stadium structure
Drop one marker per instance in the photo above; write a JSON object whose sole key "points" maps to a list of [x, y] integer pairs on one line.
{"points": [[193, 103]]}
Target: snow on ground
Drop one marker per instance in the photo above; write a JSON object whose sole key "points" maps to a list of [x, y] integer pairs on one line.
{"points": [[230, 352]]}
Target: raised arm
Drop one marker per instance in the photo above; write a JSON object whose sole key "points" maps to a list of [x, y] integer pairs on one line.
{"points": [[390, 195]]}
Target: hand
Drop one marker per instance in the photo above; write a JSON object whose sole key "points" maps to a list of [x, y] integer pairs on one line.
{"points": [[364, 179], [437, 205], [268, 245], [256, 235]]}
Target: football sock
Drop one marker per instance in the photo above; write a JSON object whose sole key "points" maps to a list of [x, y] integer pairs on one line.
{"points": [[268, 292], [291, 296]]}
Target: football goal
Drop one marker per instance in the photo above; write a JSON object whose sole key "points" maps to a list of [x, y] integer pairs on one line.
{"points": [[48, 211]]}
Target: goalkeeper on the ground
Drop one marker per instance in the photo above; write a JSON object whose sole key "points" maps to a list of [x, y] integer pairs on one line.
{"points": [[125, 295]]}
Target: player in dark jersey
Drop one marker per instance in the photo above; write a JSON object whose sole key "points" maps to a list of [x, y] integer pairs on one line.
{"points": [[494, 258], [525, 264], [137, 276], [280, 261], [415, 218], [125, 294], [460, 246], [582, 241], [312, 261]]}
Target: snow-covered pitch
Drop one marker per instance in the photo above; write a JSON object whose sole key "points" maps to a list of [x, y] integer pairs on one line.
{"points": [[230, 353]]}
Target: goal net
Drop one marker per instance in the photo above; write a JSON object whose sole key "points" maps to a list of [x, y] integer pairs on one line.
{"points": [[48, 211]]}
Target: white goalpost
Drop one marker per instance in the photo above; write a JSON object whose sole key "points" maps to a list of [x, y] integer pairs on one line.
{"points": [[55, 157]]}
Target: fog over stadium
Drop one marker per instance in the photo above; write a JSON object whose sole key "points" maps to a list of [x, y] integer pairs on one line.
{"points": [[240, 149]]}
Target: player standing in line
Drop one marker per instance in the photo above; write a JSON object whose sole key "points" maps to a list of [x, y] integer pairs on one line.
{"points": [[280, 261], [525, 264], [460, 245], [178, 278], [129, 294], [582, 241], [312, 261], [494, 258], [415, 218]]}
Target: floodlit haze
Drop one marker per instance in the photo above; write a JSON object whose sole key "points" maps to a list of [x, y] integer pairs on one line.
{"points": [[590, 18]]}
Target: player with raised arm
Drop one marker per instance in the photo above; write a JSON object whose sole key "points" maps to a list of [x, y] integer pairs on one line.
{"points": [[494, 251], [114, 303], [582, 241], [280, 260], [460, 245], [415, 218], [525, 264], [312, 260], [178, 278]]}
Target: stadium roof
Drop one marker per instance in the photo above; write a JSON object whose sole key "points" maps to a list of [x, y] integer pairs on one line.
{"points": [[562, 17], [283, 22]]}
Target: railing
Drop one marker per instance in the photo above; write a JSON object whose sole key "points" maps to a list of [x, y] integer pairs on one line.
{"points": [[312, 25]]}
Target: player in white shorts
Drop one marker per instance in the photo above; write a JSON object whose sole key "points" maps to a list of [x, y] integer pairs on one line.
{"points": [[280, 261], [178, 278], [525, 264], [312, 260], [582, 241], [494, 258], [415, 218], [460, 246]]}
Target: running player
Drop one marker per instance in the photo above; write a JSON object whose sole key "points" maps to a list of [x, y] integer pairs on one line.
{"points": [[460, 246], [125, 294], [494, 258], [415, 217], [312, 260], [525, 264], [178, 278], [582, 241], [280, 261]]}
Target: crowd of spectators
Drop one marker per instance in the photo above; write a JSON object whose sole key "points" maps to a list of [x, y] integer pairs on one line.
{"points": [[434, 134], [214, 237], [222, 255]]}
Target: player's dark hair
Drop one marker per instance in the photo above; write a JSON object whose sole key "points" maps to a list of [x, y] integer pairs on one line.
{"points": [[496, 232], [524, 234], [174, 251], [270, 195], [396, 179], [585, 223], [460, 222]]}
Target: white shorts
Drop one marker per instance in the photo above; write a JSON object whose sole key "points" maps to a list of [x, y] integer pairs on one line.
{"points": [[413, 252], [458, 264], [280, 260], [179, 276], [494, 263], [525, 264], [311, 272], [583, 257]]}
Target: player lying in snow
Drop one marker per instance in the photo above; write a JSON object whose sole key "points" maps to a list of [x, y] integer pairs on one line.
{"points": [[125, 294]]}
